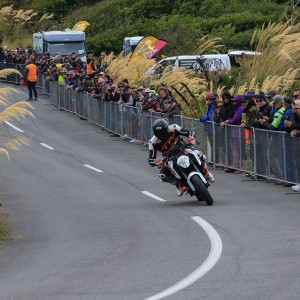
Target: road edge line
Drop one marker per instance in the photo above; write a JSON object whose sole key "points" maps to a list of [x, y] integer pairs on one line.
{"points": [[215, 253]]}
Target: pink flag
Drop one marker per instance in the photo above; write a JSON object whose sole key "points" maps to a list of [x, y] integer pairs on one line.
{"points": [[157, 47]]}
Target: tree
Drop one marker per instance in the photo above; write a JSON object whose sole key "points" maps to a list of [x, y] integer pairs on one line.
{"points": [[294, 4]]}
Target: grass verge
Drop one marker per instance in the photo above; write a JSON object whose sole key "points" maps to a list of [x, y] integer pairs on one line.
{"points": [[5, 231]]}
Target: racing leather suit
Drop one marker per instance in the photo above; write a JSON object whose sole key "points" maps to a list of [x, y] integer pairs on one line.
{"points": [[165, 144]]}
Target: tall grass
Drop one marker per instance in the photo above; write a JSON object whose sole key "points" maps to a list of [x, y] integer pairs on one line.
{"points": [[17, 26]]}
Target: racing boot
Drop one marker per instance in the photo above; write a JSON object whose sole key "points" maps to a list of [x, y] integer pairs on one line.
{"points": [[179, 189], [179, 192], [210, 177]]}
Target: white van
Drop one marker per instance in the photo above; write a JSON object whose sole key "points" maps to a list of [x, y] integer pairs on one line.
{"points": [[211, 62]]}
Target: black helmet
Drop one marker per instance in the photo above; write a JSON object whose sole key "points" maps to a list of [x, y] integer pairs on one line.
{"points": [[160, 128]]}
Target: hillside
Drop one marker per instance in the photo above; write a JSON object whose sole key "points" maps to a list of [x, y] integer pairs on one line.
{"points": [[181, 22]]}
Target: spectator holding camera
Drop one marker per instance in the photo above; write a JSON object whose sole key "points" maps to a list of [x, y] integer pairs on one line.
{"points": [[83, 84], [173, 109], [292, 125], [287, 113], [279, 109], [250, 109], [152, 104], [264, 109], [146, 94], [128, 95], [113, 93]]}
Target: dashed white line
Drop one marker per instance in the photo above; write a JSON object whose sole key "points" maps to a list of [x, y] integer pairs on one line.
{"points": [[93, 168], [213, 257], [14, 127], [47, 146], [153, 196]]}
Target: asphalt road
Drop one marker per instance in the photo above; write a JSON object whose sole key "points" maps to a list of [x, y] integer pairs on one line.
{"points": [[87, 234]]}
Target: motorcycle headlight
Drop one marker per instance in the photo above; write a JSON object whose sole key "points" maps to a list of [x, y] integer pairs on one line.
{"points": [[183, 161]]}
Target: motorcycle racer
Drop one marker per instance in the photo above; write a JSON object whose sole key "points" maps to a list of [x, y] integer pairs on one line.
{"points": [[165, 138]]}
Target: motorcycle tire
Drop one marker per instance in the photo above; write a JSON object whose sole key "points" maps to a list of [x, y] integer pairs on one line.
{"points": [[201, 191]]}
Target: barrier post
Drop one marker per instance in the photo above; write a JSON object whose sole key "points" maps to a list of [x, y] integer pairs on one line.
{"points": [[75, 104], [240, 144], [284, 157], [59, 96], [268, 143], [122, 122], [214, 146], [88, 109], [254, 154], [226, 146]]}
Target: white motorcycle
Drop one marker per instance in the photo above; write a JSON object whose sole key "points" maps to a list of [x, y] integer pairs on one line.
{"points": [[188, 166]]}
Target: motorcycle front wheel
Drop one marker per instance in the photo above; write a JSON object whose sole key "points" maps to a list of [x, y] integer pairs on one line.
{"points": [[201, 191]]}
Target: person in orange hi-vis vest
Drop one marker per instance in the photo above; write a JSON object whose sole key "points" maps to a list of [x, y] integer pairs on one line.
{"points": [[31, 76], [90, 67]]}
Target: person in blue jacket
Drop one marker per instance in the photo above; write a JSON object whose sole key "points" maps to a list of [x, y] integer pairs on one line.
{"points": [[210, 117], [287, 113], [212, 108]]}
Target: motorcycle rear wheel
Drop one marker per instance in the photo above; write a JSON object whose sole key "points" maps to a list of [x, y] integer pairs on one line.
{"points": [[201, 191]]}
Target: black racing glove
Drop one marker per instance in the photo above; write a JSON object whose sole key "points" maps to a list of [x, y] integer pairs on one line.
{"points": [[192, 133], [151, 162]]}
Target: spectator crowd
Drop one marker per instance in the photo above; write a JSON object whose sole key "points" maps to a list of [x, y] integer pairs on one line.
{"points": [[269, 111], [91, 77]]}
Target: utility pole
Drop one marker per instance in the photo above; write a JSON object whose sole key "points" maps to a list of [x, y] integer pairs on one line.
{"points": [[293, 8]]}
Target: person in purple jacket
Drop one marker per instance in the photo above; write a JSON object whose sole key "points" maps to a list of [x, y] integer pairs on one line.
{"points": [[233, 143], [238, 110]]}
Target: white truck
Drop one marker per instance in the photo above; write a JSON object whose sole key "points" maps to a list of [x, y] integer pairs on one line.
{"points": [[62, 42]]}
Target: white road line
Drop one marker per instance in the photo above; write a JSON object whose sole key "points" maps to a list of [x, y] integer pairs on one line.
{"points": [[213, 257], [153, 196], [14, 127], [47, 146], [92, 168]]}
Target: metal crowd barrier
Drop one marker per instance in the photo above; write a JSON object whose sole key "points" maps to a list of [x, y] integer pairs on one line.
{"points": [[269, 154], [264, 153]]}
